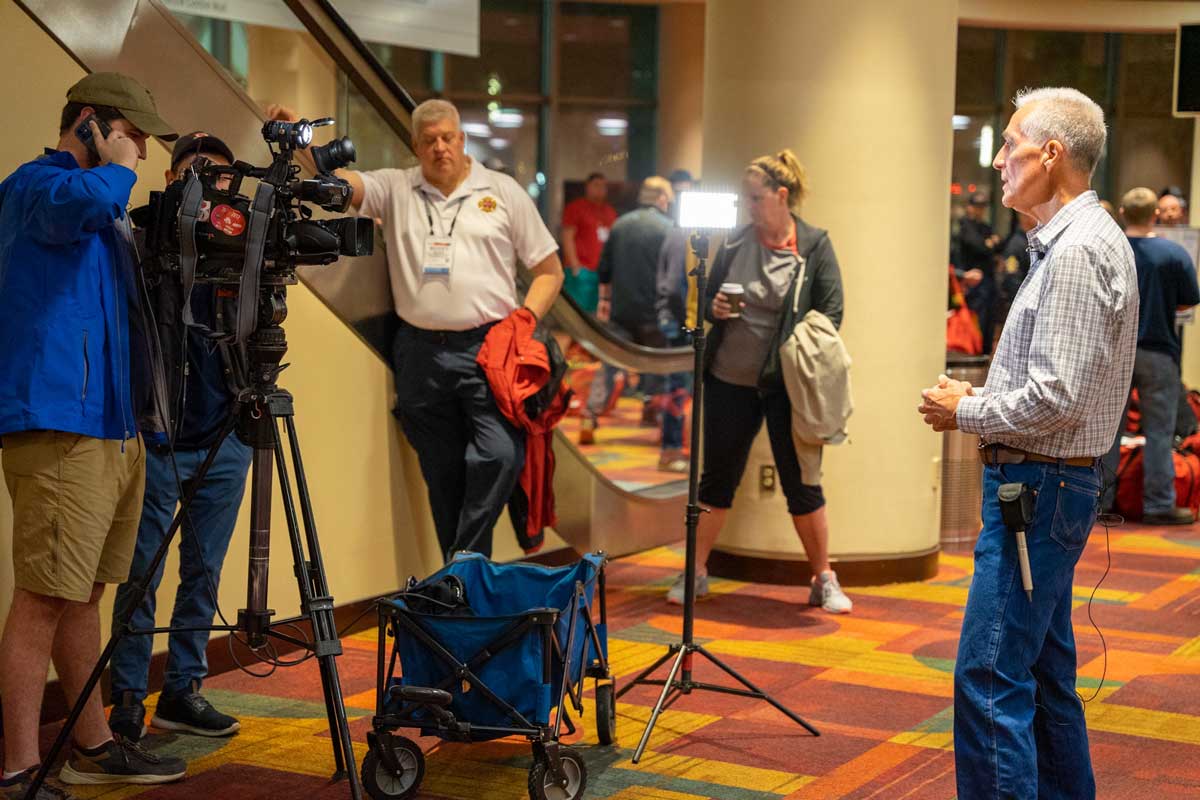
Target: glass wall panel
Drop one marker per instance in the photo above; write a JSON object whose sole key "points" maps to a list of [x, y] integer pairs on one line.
{"points": [[504, 138], [607, 52], [510, 52]]}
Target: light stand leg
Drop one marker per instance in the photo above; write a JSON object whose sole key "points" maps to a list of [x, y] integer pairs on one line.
{"points": [[122, 629], [682, 666]]}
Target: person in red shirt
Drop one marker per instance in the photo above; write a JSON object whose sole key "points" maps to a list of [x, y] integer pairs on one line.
{"points": [[585, 225]]}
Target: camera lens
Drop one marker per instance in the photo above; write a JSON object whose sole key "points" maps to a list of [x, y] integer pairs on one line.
{"points": [[335, 155]]}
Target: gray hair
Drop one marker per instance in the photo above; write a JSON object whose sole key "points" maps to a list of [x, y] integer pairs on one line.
{"points": [[1069, 116], [432, 111]]}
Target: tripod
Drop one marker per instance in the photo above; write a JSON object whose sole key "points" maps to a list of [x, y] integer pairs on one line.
{"points": [[259, 409], [679, 679]]}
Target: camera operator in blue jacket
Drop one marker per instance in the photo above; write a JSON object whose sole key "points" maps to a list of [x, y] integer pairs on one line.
{"points": [[72, 459]]}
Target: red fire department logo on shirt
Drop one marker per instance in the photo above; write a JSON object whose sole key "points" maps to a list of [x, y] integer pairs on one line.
{"points": [[487, 205], [228, 220]]}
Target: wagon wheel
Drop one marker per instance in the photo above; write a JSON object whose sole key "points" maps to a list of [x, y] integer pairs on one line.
{"points": [[383, 783], [606, 712], [543, 786]]}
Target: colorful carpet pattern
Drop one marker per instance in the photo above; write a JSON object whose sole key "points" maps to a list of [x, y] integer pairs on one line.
{"points": [[876, 683], [626, 451]]}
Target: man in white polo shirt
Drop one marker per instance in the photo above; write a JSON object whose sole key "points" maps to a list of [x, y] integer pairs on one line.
{"points": [[455, 231]]}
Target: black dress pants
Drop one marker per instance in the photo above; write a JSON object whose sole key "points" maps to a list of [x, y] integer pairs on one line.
{"points": [[471, 455]]}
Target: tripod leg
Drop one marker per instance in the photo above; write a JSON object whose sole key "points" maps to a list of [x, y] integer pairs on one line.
{"points": [[658, 707], [641, 676], [731, 672], [317, 604]]}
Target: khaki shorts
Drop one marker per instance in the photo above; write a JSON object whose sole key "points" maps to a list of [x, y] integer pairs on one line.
{"points": [[77, 502]]}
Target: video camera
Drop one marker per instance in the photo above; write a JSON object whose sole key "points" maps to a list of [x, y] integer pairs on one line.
{"points": [[201, 229]]}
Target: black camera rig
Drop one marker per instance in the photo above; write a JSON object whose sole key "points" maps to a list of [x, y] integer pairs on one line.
{"points": [[202, 229]]}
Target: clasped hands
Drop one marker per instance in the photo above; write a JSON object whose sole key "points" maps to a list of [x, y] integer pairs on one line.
{"points": [[939, 404]]}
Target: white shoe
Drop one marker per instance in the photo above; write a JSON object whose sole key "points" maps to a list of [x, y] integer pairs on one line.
{"points": [[675, 593], [827, 593]]}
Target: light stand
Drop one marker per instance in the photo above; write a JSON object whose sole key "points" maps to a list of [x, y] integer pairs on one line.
{"points": [[259, 410], [679, 680]]}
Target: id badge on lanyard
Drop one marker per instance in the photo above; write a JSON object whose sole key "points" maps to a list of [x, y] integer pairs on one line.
{"points": [[438, 260], [439, 257]]}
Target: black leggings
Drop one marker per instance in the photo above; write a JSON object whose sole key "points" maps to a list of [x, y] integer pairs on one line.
{"points": [[732, 417]]}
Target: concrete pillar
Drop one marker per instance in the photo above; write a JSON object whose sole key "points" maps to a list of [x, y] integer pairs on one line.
{"points": [[863, 93]]}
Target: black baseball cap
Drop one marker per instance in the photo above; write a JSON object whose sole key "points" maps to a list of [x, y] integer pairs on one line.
{"points": [[199, 143]]}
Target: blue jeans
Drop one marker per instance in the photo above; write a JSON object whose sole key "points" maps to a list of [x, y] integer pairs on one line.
{"points": [[1019, 729], [210, 523], [1156, 378]]}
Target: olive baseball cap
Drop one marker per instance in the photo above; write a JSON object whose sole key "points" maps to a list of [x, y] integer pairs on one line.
{"points": [[123, 93]]}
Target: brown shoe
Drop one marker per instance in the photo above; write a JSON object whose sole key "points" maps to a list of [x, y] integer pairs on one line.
{"points": [[587, 431]]}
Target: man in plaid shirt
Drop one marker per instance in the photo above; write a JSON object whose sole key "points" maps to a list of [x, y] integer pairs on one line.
{"points": [[1053, 399]]}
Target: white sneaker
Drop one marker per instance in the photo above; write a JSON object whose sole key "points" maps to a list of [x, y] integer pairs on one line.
{"points": [[828, 594], [675, 593]]}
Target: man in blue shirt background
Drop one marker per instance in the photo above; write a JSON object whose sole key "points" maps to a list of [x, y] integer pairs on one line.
{"points": [[1166, 284], [200, 397], [72, 459]]}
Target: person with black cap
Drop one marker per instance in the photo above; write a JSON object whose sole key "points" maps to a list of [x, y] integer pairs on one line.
{"points": [[200, 395], [73, 461]]}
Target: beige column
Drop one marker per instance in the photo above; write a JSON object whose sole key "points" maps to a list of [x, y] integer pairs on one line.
{"points": [[863, 93], [1190, 366]]}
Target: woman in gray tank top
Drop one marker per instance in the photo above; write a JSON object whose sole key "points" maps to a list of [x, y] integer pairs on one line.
{"points": [[785, 268]]}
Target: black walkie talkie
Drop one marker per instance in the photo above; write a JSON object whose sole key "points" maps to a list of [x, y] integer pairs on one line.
{"points": [[84, 133]]}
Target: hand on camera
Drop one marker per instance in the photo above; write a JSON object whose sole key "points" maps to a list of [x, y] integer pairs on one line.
{"points": [[721, 307], [116, 149], [278, 111]]}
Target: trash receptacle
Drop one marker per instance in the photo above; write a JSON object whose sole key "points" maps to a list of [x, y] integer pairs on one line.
{"points": [[962, 472]]}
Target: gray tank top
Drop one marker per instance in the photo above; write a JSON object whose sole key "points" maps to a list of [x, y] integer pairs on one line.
{"points": [[766, 275]]}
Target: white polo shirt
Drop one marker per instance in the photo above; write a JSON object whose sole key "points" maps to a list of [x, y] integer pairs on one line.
{"points": [[492, 222]]}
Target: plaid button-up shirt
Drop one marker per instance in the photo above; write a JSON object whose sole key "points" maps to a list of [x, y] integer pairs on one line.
{"points": [[1061, 372]]}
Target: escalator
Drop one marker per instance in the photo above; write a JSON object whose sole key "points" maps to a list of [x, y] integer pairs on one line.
{"points": [[323, 68]]}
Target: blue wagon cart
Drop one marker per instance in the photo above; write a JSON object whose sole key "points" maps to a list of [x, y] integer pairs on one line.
{"points": [[480, 651]]}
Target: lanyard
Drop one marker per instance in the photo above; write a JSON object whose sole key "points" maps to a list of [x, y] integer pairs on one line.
{"points": [[429, 213]]}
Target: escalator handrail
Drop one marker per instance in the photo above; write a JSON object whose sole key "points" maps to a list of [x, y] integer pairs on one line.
{"points": [[598, 340]]}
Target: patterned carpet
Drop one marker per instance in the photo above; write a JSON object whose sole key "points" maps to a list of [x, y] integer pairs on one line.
{"points": [[876, 683], [626, 451]]}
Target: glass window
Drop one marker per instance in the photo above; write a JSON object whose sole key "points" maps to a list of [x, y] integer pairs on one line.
{"points": [[976, 83], [409, 66], [510, 52], [1056, 58], [607, 52], [594, 141], [504, 138]]}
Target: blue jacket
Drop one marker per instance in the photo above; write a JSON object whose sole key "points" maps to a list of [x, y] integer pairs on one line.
{"points": [[65, 275]]}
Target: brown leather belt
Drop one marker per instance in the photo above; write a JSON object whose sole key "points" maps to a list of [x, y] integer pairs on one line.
{"points": [[993, 454]]}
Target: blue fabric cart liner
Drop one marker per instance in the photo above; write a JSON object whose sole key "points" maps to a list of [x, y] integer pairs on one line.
{"points": [[501, 596]]}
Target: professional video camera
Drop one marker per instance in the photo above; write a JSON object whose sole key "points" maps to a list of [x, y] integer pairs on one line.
{"points": [[203, 230]]}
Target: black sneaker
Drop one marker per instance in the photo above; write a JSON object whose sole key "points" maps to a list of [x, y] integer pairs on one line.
{"points": [[1176, 516], [128, 718], [191, 713], [120, 761], [17, 788]]}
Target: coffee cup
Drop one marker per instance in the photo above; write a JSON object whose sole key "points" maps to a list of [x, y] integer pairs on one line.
{"points": [[737, 297]]}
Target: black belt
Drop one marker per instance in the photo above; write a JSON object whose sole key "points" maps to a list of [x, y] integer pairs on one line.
{"points": [[994, 454], [454, 338]]}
